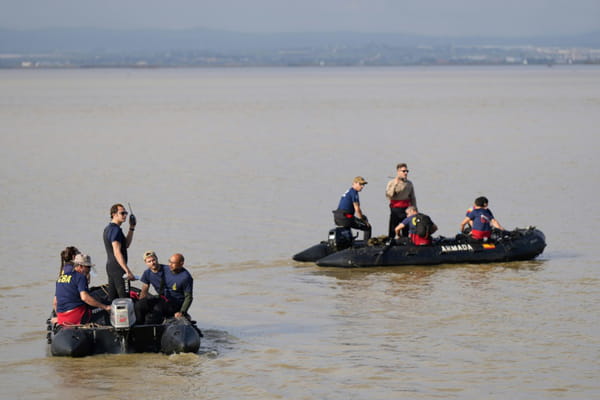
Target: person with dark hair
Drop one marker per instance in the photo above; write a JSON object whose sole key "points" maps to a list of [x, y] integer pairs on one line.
{"points": [[66, 259], [72, 301], [401, 194], [481, 219], [349, 214], [116, 244]]}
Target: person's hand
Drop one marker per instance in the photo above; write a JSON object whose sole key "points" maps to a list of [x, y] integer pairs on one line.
{"points": [[132, 221], [107, 308], [178, 315], [130, 276]]}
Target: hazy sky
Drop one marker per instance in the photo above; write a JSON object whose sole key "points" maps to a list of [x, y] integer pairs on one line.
{"points": [[429, 17]]}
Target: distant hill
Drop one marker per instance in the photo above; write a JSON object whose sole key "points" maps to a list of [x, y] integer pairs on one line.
{"points": [[123, 41]]}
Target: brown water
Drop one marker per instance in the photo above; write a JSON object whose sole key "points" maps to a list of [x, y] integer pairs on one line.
{"points": [[238, 169]]}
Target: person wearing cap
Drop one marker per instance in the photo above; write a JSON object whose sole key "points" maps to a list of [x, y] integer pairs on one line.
{"points": [[148, 309], [72, 300], [349, 214], [116, 244], [481, 220], [179, 286], [401, 194]]}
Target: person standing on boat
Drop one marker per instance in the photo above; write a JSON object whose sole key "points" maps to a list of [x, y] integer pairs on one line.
{"points": [[481, 219], [410, 222], [349, 214], [116, 244], [72, 301], [179, 287], [148, 308], [401, 194]]}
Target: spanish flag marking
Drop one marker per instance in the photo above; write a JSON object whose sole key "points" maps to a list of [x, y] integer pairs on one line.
{"points": [[489, 246]]}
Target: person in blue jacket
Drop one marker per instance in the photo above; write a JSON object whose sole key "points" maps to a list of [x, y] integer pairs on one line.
{"points": [[481, 219], [72, 300]]}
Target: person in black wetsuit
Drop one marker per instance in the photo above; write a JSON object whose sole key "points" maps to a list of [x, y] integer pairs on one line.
{"points": [[116, 244]]}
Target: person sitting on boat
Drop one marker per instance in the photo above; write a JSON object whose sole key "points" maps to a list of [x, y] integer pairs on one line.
{"points": [[413, 221], [480, 219], [179, 286], [66, 259], [401, 194], [349, 213], [148, 309], [72, 300]]}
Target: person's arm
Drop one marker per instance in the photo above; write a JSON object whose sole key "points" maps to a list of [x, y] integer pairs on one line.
{"points": [[398, 228], [88, 299], [144, 291], [389, 189], [413, 196], [496, 224], [358, 211], [121, 260], [187, 302], [466, 221], [129, 237], [54, 302]]}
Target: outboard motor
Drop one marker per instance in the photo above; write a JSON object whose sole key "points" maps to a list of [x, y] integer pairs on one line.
{"points": [[122, 314], [340, 238]]}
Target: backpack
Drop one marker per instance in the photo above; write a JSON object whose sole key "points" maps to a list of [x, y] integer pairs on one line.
{"points": [[423, 225]]}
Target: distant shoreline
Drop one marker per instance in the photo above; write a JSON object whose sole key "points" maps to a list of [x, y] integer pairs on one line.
{"points": [[193, 48]]}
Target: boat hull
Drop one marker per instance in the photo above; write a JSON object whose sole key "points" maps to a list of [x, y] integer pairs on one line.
{"points": [[176, 335], [516, 245]]}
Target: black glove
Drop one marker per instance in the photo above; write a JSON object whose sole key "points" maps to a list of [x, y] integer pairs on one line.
{"points": [[132, 220]]}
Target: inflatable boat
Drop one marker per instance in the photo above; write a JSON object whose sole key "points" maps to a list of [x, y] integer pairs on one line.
{"points": [[337, 239], [516, 245], [121, 334]]}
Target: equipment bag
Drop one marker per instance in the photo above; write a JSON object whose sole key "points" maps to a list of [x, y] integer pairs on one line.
{"points": [[423, 225]]}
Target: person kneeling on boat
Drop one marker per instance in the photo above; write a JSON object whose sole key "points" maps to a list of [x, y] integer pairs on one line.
{"points": [[481, 220], [420, 227], [349, 214], [72, 301], [148, 309], [179, 286]]}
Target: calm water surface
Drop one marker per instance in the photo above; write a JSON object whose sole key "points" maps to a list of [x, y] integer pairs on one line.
{"points": [[239, 169]]}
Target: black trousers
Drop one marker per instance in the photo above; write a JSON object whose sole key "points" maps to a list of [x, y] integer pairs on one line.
{"points": [[340, 219], [397, 215], [153, 309], [116, 284]]}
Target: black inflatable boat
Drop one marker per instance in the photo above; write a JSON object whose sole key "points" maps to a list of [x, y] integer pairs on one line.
{"points": [[121, 334], [515, 245]]}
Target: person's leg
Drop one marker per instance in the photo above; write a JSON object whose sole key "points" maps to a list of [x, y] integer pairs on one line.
{"points": [[363, 226], [340, 219], [141, 307], [116, 285], [394, 221]]}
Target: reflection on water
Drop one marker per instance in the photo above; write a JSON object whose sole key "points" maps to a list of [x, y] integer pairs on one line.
{"points": [[239, 169]]}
